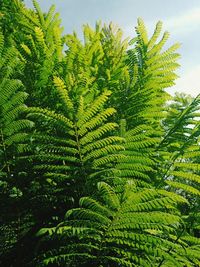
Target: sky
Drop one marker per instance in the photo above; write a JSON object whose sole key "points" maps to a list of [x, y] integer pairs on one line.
{"points": [[180, 17]]}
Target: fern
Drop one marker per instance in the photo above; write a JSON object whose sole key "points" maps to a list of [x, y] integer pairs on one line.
{"points": [[138, 162], [14, 130], [40, 43], [136, 228], [11, 106], [86, 143], [151, 70], [179, 154], [182, 165], [141, 179]]}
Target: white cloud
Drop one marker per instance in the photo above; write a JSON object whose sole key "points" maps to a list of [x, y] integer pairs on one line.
{"points": [[181, 24], [187, 22], [189, 82]]}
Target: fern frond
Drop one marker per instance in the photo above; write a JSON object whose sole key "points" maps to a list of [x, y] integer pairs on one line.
{"points": [[186, 188], [155, 35], [188, 176], [49, 16], [97, 104], [39, 12], [91, 136], [141, 29], [100, 118], [63, 94], [1, 42], [133, 233], [40, 37], [51, 114]]}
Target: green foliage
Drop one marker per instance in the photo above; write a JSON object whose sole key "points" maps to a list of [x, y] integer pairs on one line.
{"points": [[136, 228], [86, 129], [41, 46], [151, 71], [13, 126], [81, 149], [14, 129], [179, 149], [139, 163]]}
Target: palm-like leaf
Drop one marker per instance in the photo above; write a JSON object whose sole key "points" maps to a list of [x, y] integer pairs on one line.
{"points": [[151, 71], [81, 146], [136, 228]]}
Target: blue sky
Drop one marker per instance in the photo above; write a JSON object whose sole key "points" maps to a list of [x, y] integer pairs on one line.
{"points": [[180, 17]]}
